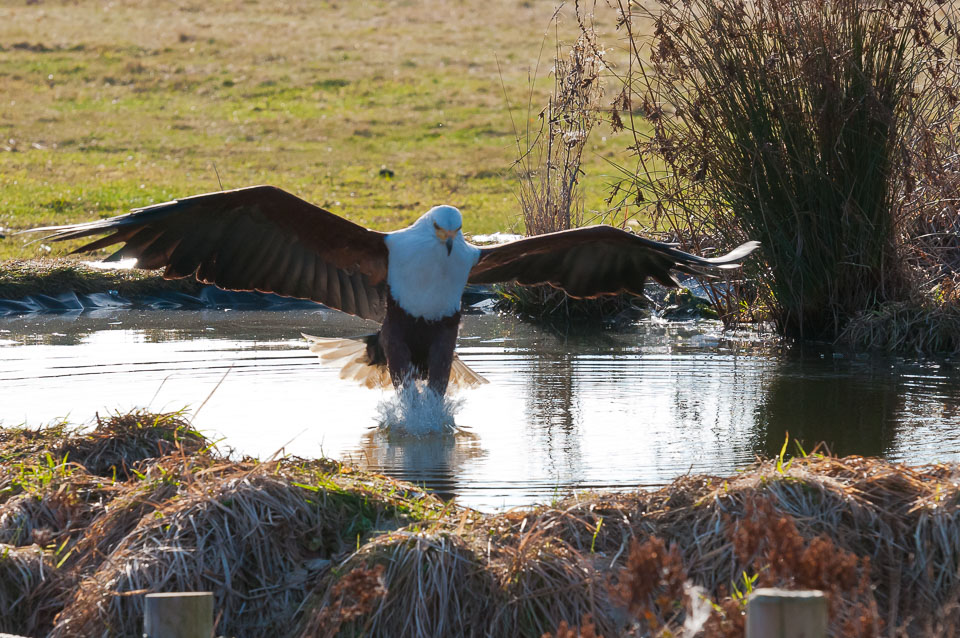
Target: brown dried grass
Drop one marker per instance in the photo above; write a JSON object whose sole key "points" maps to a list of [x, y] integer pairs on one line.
{"points": [[549, 168], [549, 158], [878, 537], [121, 441], [253, 534], [924, 326], [257, 534], [26, 579], [247, 539], [434, 584], [115, 445]]}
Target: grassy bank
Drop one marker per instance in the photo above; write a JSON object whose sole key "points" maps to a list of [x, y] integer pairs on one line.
{"points": [[20, 278], [91, 521], [108, 109]]}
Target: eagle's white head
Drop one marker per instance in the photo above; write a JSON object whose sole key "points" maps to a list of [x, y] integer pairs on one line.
{"points": [[429, 263], [445, 222]]}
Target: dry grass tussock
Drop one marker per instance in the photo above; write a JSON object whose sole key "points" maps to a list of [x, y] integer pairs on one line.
{"points": [[84, 548], [26, 585], [315, 549], [877, 537]]}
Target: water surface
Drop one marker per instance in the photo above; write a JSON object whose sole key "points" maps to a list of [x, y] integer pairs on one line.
{"points": [[610, 410]]}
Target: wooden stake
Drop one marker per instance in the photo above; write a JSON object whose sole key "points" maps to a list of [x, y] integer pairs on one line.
{"points": [[178, 615], [780, 613]]}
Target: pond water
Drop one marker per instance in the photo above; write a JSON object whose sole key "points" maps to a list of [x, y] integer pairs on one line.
{"points": [[608, 410]]}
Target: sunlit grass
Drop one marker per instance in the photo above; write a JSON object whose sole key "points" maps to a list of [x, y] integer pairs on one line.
{"points": [[107, 109]]}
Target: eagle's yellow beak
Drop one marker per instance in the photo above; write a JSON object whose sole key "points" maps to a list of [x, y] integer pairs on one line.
{"points": [[446, 236]]}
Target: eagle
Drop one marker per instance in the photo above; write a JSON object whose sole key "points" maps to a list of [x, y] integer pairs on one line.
{"points": [[410, 280]]}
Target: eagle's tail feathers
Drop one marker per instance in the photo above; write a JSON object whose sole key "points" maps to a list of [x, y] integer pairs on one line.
{"points": [[463, 376], [352, 354]]}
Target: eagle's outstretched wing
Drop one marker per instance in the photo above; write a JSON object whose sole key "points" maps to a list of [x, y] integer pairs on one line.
{"points": [[258, 238], [594, 261]]}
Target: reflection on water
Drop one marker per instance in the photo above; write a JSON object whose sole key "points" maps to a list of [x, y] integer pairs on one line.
{"points": [[434, 462], [853, 414], [609, 410]]}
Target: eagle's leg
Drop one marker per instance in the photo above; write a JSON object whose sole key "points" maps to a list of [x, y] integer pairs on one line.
{"points": [[440, 357], [399, 357]]}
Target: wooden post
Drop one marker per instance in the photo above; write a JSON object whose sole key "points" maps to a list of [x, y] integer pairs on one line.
{"points": [[178, 615], [780, 613]]}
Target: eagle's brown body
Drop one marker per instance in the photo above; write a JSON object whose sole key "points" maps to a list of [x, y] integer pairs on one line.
{"points": [[410, 345]]}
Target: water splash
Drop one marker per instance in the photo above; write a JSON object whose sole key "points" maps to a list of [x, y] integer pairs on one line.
{"points": [[416, 410]]}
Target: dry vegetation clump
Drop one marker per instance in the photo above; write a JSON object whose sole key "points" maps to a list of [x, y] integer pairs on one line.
{"points": [[252, 533], [114, 446], [48, 499], [825, 130], [548, 170], [428, 584], [26, 578], [120, 442], [544, 582], [21, 278], [317, 549], [549, 160], [252, 539], [258, 534], [436, 583], [919, 327], [878, 538], [47, 518], [130, 502], [351, 597]]}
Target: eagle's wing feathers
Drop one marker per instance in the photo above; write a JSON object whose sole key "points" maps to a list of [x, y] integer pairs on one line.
{"points": [[259, 238], [594, 261]]}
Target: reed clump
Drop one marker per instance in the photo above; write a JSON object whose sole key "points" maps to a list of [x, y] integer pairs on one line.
{"points": [[825, 130], [929, 325]]}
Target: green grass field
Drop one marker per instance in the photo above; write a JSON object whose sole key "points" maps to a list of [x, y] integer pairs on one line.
{"points": [[109, 106]]}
